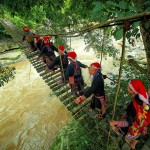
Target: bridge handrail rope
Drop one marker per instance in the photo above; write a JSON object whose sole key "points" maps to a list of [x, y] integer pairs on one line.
{"points": [[103, 43], [70, 36]]}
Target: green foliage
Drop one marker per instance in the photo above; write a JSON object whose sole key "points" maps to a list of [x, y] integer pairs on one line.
{"points": [[101, 42], [118, 33], [105, 10], [19, 22], [37, 14], [5, 74], [3, 32], [72, 137], [2, 9]]}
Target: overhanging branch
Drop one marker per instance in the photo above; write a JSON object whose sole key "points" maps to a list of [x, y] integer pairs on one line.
{"points": [[133, 63], [113, 22]]}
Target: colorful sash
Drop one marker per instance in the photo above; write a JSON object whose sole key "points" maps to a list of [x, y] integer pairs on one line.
{"points": [[142, 119]]}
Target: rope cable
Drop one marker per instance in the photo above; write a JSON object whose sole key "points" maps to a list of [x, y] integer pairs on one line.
{"points": [[70, 36], [101, 57]]}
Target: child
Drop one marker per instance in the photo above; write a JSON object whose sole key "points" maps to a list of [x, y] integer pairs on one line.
{"points": [[57, 62], [97, 89], [29, 36], [74, 74], [137, 116]]}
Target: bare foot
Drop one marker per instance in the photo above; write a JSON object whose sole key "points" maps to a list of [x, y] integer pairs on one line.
{"points": [[131, 143], [98, 116], [75, 96]]}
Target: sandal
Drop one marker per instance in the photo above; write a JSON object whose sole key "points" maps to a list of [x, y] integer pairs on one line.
{"points": [[131, 143], [52, 72], [97, 114], [116, 130]]}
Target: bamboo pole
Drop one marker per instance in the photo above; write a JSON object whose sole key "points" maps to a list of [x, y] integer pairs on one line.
{"points": [[120, 72], [61, 63], [119, 77]]}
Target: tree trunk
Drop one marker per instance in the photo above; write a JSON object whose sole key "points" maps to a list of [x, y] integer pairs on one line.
{"points": [[145, 31]]}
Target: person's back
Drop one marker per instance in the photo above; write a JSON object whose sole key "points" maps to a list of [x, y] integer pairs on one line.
{"points": [[98, 81], [74, 75], [29, 36], [61, 62], [46, 51], [64, 59], [74, 69]]}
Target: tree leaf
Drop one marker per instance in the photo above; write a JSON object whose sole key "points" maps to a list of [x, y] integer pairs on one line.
{"points": [[128, 35], [123, 4], [118, 33], [135, 24]]}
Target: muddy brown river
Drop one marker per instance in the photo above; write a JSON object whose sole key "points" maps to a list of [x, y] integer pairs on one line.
{"points": [[29, 117]]}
